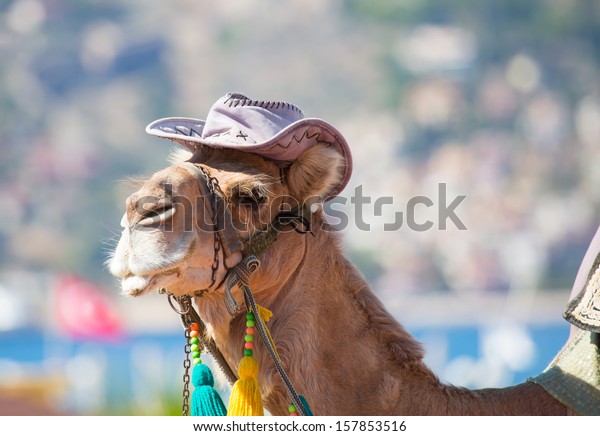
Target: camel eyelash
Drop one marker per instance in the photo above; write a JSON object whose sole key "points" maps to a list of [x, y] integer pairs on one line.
{"points": [[251, 193], [250, 196]]}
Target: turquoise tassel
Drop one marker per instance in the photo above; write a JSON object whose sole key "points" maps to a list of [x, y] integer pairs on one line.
{"points": [[305, 404], [205, 399]]}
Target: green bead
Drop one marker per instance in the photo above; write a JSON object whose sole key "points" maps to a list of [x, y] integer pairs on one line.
{"points": [[292, 408], [249, 338], [197, 361], [249, 323], [250, 316], [196, 354], [248, 353], [194, 341], [194, 347]]}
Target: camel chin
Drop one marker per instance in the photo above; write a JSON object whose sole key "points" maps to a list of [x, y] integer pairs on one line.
{"points": [[136, 286]]}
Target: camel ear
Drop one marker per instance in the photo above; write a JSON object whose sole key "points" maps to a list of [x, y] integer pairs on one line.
{"points": [[315, 173]]}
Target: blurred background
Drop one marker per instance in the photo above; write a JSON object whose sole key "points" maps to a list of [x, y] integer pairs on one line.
{"points": [[498, 99]]}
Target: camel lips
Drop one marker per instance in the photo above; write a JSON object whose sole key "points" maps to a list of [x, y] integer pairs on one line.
{"points": [[134, 285]]}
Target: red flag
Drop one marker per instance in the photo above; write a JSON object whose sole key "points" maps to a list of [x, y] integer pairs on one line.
{"points": [[83, 311]]}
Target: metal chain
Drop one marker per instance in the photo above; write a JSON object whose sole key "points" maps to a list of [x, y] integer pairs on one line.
{"points": [[185, 409], [214, 182], [188, 316], [215, 265], [215, 190]]}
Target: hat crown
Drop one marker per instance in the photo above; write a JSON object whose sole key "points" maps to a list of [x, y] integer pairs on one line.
{"points": [[238, 119]]}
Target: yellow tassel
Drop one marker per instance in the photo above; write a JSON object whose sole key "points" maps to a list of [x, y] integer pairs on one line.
{"points": [[245, 397], [266, 315]]}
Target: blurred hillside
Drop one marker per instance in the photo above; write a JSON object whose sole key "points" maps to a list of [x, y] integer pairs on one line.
{"points": [[499, 100]]}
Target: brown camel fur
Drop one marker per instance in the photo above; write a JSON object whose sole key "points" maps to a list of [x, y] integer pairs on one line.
{"points": [[341, 348]]}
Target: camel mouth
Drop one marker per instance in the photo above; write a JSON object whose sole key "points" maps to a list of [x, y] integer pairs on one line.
{"points": [[144, 281], [136, 286]]}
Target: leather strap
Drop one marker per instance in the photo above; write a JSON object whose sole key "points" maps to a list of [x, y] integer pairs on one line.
{"points": [[226, 232]]}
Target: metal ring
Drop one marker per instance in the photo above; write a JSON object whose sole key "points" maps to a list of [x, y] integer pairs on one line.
{"points": [[180, 311]]}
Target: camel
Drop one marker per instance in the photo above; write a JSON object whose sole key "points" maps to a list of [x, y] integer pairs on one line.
{"points": [[341, 348]]}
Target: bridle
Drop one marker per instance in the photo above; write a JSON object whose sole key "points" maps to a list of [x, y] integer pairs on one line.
{"points": [[224, 234], [227, 241], [226, 237]]}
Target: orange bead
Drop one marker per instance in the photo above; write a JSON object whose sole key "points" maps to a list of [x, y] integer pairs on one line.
{"points": [[294, 414], [193, 334], [249, 346], [250, 331], [194, 326]]}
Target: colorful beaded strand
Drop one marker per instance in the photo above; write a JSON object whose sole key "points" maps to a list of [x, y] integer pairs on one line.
{"points": [[249, 338], [293, 411], [245, 399], [205, 399], [195, 343]]}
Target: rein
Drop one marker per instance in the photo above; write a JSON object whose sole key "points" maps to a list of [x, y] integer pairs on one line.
{"points": [[227, 241]]}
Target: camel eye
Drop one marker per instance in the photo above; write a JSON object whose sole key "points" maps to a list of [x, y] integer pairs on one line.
{"points": [[253, 198]]}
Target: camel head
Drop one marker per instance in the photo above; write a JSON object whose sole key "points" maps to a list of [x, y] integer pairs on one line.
{"points": [[250, 161], [170, 238]]}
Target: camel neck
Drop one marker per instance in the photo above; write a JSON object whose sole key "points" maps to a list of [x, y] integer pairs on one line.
{"points": [[323, 294], [522, 399], [341, 348]]}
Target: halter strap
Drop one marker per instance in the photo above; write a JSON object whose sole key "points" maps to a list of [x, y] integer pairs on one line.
{"points": [[299, 219], [226, 232]]}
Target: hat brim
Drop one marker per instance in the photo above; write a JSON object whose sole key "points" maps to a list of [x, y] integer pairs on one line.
{"points": [[285, 147]]}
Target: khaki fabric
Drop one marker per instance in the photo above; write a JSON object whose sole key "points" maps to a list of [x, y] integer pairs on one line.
{"points": [[573, 377]]}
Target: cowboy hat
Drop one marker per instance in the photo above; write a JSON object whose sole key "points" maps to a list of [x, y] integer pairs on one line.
{"points": [[272, 129]]}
